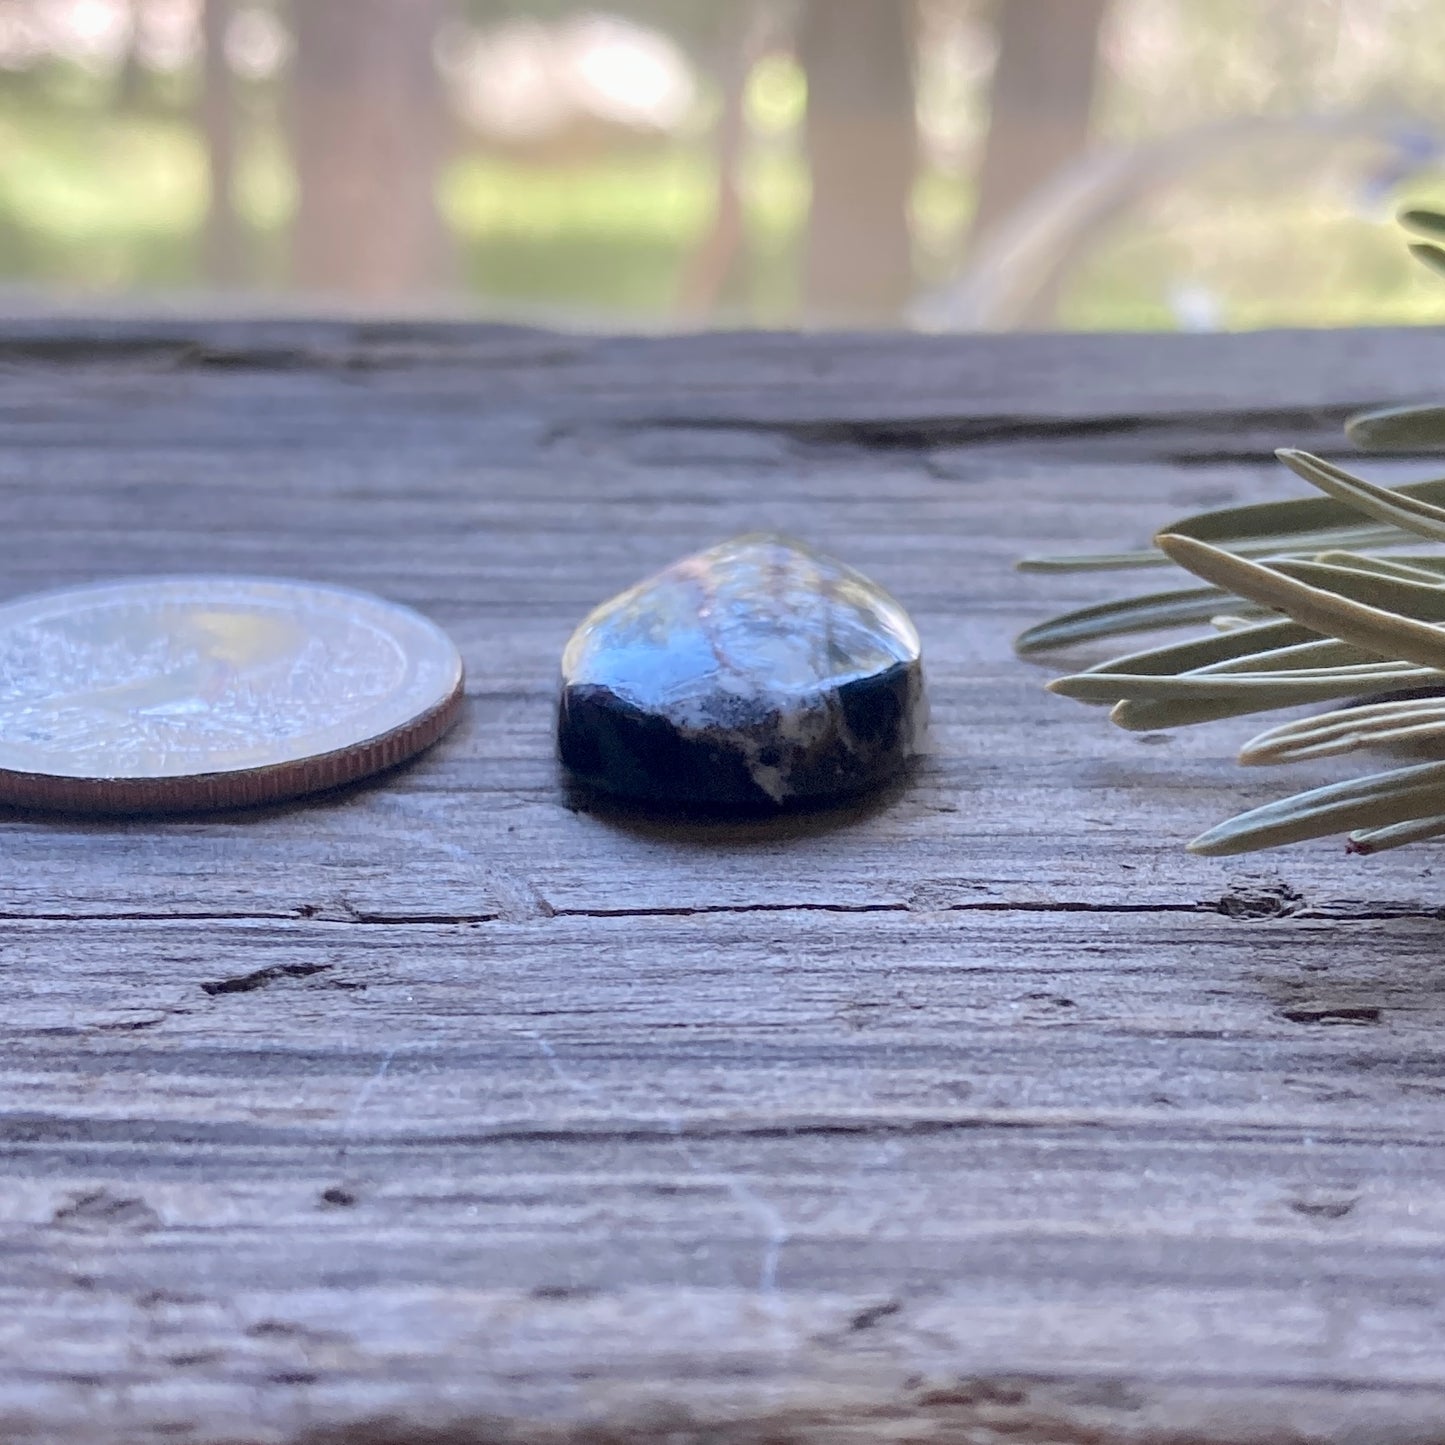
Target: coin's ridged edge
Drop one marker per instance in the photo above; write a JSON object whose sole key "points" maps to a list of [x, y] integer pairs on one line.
{"points": [[245, 788]]}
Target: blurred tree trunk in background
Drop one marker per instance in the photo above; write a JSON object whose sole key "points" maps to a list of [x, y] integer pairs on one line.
{"points": [[369, 128], [1040, 107], [715, 274], [862, 142], [224, 245], [130, 85]]}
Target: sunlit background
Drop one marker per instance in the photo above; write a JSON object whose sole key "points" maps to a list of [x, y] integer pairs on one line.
{"points": [[944, 164]]}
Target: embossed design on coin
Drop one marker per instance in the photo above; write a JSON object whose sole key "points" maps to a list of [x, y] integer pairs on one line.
{"points": [[204, 692]]}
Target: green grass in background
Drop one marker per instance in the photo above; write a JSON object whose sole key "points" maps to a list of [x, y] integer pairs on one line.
{"points": [[607, 236], [92, 201], [95, 203]]}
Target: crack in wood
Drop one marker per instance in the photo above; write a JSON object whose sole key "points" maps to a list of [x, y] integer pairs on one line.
{"points": [[1138, 1127], [153, 916], [100, 1210], [268, 347], [431, 920], [1331, 1013], [1243, 908], [703, 910], [885, 433], [264, 978]]}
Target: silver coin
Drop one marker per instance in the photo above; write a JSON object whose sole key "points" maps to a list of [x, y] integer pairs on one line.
{"points": [[180, 693]]}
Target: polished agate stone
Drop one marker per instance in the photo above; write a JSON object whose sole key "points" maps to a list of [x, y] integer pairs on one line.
{"points": [[754, 675]]}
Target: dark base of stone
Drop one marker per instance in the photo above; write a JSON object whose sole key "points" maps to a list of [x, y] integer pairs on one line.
{"points": [[612, 746]]}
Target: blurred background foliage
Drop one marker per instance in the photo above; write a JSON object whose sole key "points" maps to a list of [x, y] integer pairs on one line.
{"points": [[951, 164]]}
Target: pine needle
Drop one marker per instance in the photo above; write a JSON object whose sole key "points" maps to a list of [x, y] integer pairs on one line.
{"points": [[1304, 610]]}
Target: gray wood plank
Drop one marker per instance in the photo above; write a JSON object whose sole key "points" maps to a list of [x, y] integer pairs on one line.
{"points": [[976, 1112]]}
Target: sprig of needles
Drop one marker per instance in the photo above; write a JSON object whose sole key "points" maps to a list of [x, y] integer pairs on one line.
{"points": [[1303, 610]]}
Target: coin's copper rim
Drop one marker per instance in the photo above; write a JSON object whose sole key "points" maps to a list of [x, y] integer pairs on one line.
{"points": [[243, 788]]}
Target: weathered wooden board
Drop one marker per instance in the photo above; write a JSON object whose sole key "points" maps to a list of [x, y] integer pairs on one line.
{"points": [[980, 1112]]}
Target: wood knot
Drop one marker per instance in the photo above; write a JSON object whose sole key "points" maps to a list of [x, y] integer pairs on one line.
{"points": [[1258, 899]]}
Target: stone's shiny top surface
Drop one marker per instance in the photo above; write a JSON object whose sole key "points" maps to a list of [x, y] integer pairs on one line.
{"points": [[755, 674], [761, 618]]}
